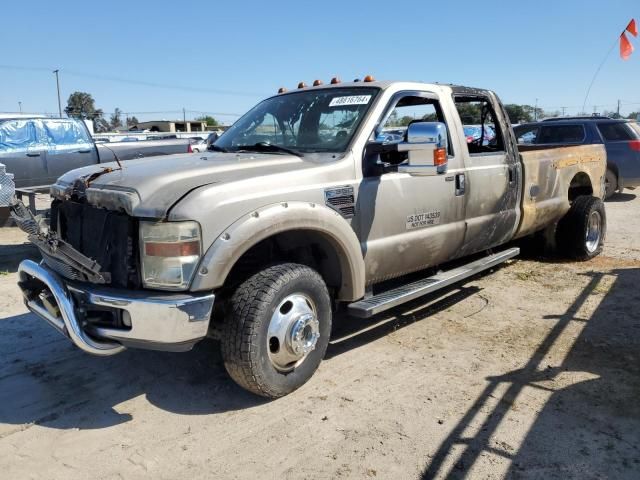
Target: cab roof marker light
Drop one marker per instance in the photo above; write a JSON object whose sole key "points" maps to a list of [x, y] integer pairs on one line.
{"points": [[369, 78], [302, 85], [317, 83], [282, 90], [335, 80]]}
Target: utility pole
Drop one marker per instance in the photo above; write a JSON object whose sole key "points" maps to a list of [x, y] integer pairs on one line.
{"points": [[618, 111], [535, 111], [58, 86], [595, 110], [20, 106], [564, 109], [184, 118]]}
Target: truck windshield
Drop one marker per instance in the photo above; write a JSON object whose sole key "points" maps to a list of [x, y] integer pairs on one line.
{"points": [[318, 120]]}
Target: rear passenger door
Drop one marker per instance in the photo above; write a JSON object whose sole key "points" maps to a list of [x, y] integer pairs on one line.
{"points": [[23, 152], [492, 174], [69, 146]]}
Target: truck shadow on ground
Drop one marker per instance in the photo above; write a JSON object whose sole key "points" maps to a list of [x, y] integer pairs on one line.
{"points": [[45, 380], [588, 429], [621, 197], [12, 255]]}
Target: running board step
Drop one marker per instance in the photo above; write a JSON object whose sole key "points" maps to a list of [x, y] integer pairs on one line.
{"points": [[392, 298]]}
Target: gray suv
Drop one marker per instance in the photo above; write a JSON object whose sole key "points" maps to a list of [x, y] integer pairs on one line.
{"points": [[621, 139]]}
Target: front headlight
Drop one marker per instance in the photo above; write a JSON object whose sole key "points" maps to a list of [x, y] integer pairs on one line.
{"points": [[170, 252]]}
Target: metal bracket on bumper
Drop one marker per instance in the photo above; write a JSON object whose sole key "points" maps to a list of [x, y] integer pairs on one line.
{"points": [[156, 321]]}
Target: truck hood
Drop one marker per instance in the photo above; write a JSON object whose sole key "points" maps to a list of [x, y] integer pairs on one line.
{"points": [[150, 186]]}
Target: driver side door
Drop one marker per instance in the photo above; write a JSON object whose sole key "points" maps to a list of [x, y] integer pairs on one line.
{"points": [[408, 222]]}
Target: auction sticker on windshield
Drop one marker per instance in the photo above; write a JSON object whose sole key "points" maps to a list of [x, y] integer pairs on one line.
{"points": [[350, 100], [420, 220]]}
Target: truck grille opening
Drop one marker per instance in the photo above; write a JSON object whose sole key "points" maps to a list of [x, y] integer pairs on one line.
{"points": [[108, 237]]}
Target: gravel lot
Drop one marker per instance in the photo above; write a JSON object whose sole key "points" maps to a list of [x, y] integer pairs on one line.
{"points": [[531, 371]]}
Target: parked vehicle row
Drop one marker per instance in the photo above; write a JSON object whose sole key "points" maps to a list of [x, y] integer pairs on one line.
{"points": [[39, 150], [621, 139], [304, 205]]}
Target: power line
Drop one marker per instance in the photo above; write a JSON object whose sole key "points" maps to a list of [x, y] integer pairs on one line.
{"points": [[144, 83]]}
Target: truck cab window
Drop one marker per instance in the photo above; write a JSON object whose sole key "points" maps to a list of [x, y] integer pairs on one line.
{"points": [[393, 127], [16, 135], [481, 129], [61, 133]]}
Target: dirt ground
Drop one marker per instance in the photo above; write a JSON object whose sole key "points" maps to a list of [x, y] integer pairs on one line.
{"points": [[530, 371]]}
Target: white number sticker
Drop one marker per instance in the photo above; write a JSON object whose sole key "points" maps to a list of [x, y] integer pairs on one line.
{"points": [[351, 100], [421, 220]]}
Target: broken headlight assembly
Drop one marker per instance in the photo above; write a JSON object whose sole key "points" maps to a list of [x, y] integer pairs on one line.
{"points": [[170, 252]]}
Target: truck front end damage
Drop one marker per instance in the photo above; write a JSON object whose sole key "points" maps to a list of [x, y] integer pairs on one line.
{"points": [[89, 285]]}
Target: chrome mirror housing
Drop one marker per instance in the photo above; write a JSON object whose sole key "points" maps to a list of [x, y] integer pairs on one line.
{"points": [[427, 147]]}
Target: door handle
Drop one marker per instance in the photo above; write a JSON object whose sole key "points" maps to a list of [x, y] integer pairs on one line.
{"points": [[512, 175], [33, 154], [460, 184], [85, 150]]}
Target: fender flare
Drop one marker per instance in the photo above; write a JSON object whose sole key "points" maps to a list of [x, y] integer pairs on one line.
{"points": [[270, 220]]}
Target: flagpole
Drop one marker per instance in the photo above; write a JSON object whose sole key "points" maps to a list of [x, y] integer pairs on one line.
{"points": [[595, 75]]}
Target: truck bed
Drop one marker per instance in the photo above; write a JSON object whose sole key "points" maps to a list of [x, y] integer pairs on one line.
{"points": [[549, 171]]}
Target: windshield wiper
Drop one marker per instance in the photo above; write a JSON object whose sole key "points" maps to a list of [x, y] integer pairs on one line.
{"points": [[268, 147]]}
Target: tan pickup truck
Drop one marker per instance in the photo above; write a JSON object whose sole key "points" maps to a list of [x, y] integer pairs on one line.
{"points": [[317, 198]]}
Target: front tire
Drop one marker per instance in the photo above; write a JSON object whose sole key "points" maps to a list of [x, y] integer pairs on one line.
{"points": [[580, 233], [277, 329]]}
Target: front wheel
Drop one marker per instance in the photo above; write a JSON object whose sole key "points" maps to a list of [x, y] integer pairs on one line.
{"points": [[277, 330], [580, 233]]}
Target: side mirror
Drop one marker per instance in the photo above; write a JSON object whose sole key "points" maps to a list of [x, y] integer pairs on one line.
{"points": [[427, 149]]}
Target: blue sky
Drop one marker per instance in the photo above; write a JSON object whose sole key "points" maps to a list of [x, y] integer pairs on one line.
{"points": [[222, 57]]}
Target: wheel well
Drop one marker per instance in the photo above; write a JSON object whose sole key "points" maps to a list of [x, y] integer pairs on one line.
{"points": [[580, 185], [306, 247]]}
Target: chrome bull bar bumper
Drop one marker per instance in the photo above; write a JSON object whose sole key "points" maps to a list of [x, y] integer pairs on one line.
{"points": [[152, 320]]}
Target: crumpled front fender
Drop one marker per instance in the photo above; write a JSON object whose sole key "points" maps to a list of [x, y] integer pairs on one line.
{"points": [[270, 220]]}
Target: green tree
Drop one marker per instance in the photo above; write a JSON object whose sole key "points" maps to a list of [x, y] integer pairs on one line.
{"points": [[81, 105], [469, 113], [210, 121], [517, 113], [132, 121], [100, 125], [116, 119]]}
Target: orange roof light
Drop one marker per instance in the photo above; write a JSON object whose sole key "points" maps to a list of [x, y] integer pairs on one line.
{"points": [[317, 83], [369, 78], [302, 85], [335, 80], [282, 90]]}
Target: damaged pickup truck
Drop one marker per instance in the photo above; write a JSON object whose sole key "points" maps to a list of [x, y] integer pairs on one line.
{"points": [[317, 198]]}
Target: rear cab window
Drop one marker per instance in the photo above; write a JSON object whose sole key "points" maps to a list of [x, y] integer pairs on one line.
{"points": [[62, 134], [481, 128], [617, 132]]}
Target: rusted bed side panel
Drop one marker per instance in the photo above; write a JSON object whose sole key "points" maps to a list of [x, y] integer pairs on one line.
{"points": [[548, 174]]}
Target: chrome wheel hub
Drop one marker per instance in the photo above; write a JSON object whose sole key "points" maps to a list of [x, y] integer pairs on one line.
{"points": [[594, 231], [293, 333]]}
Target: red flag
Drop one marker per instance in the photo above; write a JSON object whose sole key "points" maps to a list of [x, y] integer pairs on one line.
{"points": [[631, 28], [626, 49]]}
